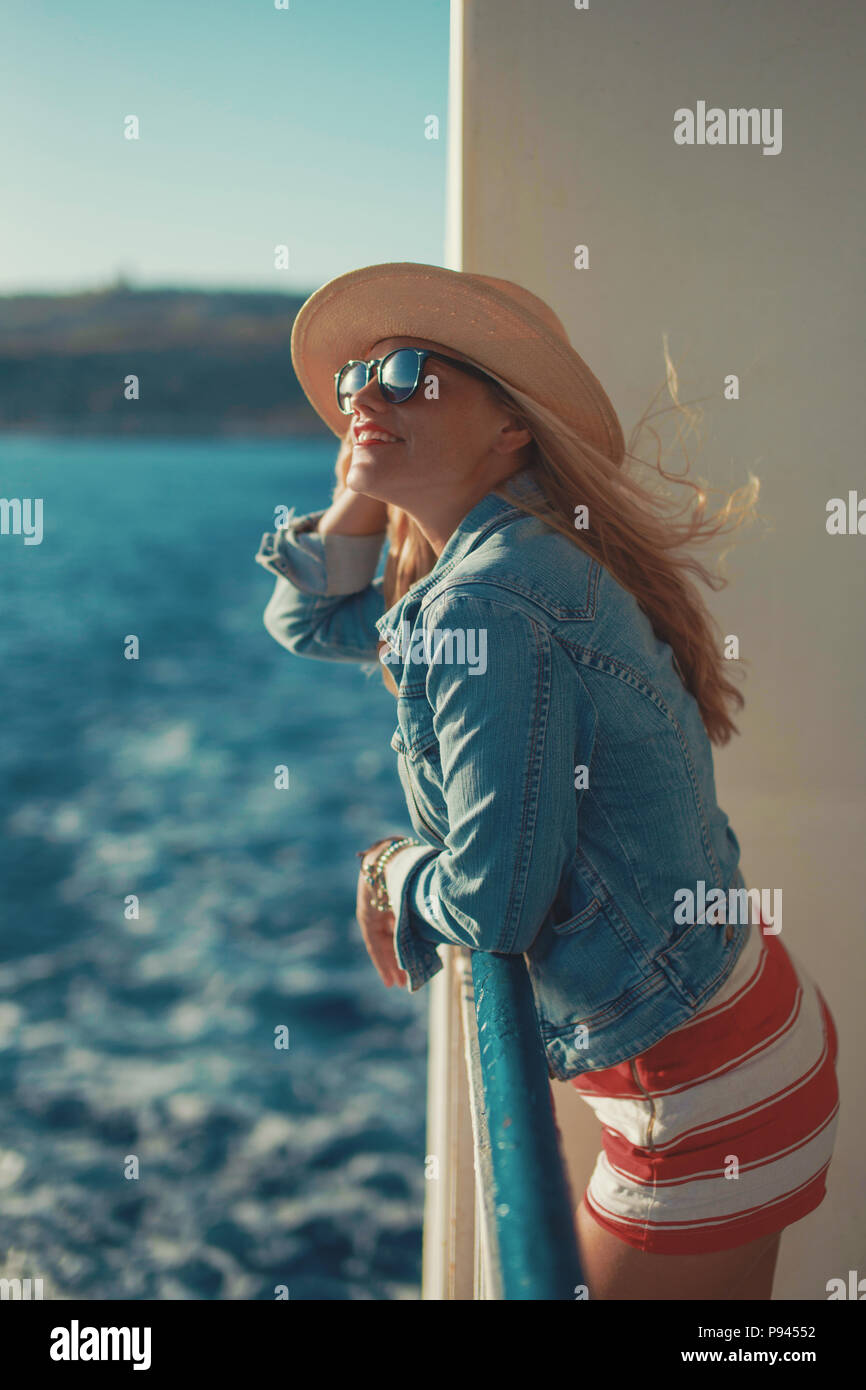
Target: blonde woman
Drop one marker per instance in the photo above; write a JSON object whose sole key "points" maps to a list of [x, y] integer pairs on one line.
{"points": [[559, 685]]}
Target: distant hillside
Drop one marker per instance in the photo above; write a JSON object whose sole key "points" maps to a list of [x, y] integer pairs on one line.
{"points": [[208, 363]]}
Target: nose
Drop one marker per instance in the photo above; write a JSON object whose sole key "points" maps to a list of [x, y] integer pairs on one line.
{"points": [[369, 399], [369, 395]]}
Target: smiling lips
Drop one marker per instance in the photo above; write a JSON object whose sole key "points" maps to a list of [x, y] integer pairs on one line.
{"points": [[375, 436]]}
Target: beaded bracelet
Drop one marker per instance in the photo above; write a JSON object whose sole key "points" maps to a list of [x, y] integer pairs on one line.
{"points": [[375, 878]]}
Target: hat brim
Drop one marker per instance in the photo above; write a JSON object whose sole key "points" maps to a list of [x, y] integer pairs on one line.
{"points": [[348, 315]]}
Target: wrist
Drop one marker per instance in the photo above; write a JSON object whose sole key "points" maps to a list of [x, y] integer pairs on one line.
{"points": [[368, 855], [353, 514], [373, 862]]}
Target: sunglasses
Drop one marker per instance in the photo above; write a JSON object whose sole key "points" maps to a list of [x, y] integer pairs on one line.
{"points": [[398, 375]]}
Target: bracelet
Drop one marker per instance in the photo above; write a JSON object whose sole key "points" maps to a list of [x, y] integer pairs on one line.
{"points": [[375, 878]]}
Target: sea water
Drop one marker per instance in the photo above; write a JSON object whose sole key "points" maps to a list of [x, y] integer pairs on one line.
{"points": [[154, 1142]]}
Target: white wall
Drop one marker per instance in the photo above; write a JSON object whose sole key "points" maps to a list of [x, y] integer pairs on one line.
{"points": [[750, 263]]}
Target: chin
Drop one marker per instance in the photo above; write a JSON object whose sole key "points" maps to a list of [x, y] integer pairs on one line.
{"points": [[360, 477]]}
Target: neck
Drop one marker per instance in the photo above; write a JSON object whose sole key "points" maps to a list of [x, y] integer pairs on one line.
{"points": [[438, 515]]}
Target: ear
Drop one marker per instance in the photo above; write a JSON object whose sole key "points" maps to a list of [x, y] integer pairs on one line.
{"points": [[511, 436]]}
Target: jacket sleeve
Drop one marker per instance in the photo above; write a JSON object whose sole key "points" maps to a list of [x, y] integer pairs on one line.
{"points": [[507, 738], [326, 600]]}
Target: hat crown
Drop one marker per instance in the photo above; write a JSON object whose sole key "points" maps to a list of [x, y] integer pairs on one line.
{"points": [[527, 303]]}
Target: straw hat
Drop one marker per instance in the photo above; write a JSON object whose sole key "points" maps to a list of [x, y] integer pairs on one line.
{"points": [[496, 324]]}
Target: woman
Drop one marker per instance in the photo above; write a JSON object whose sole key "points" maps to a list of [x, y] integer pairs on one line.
{"points": [[559, 684]]}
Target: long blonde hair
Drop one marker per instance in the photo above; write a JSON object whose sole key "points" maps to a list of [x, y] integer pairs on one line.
{"points": [[634, 532]]}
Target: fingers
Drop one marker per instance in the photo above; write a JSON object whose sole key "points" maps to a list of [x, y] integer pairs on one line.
{"points": [[377, 929], [382, 952], [379, 939]]}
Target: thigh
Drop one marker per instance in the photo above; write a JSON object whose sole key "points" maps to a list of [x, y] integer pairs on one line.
{"points": [[615, 1270]]}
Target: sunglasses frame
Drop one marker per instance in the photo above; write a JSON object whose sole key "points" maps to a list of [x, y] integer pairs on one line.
{"points": [[377, 363]]}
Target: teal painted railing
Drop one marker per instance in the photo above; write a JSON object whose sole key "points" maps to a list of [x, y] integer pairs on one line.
{"points": [[530, 1203]]}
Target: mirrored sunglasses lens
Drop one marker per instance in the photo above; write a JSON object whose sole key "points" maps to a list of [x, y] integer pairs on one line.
{"points": [[351, 381], [397, 375]]}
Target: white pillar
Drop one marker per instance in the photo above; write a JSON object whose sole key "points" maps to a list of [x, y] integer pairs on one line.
{"points": [[561, 134]]}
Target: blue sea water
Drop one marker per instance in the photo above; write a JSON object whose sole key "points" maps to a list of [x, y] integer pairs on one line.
{"points": [[154, 1037]]}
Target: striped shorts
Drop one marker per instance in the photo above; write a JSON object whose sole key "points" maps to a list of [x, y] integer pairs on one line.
{"points": [[723, 1131]]}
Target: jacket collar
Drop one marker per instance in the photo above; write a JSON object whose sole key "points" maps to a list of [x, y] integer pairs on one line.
{"points": [[470, 530]]}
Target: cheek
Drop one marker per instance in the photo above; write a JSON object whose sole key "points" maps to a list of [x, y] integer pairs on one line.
{"points": [[444, 426]]}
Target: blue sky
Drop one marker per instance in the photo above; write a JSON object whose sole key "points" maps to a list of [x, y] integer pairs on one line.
{"points": [[258, 127]]}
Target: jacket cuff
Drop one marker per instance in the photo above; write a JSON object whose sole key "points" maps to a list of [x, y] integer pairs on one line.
{"points": [[328, 565], [417, 956]]}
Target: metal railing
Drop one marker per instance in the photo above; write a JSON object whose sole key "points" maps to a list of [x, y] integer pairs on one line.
{"points": [[499, 1215]]}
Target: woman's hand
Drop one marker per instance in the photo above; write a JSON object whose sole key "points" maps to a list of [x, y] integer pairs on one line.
{"points": [[377, 928]]}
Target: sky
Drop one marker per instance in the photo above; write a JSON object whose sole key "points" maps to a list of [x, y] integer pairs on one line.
{"points": [[258, 127]]}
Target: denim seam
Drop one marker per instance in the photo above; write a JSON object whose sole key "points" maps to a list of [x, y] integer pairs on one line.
{"points": [[643, 688], [539, 726], [510, 585], [651, 984], [539, 730], [627, 936], [724, 971]]}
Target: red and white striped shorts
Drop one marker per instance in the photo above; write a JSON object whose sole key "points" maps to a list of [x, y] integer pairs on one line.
{"points": [[723, 1131]]}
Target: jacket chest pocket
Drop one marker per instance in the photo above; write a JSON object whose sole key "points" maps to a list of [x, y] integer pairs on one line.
{"points": [[414, 735], [420, 766]]}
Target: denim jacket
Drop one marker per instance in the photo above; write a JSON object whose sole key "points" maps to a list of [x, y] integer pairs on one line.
{"points": [[555, 769]]}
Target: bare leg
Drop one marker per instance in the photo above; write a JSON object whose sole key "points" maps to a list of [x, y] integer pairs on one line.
{"points": [[759, 1284], [615, 1270]]}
